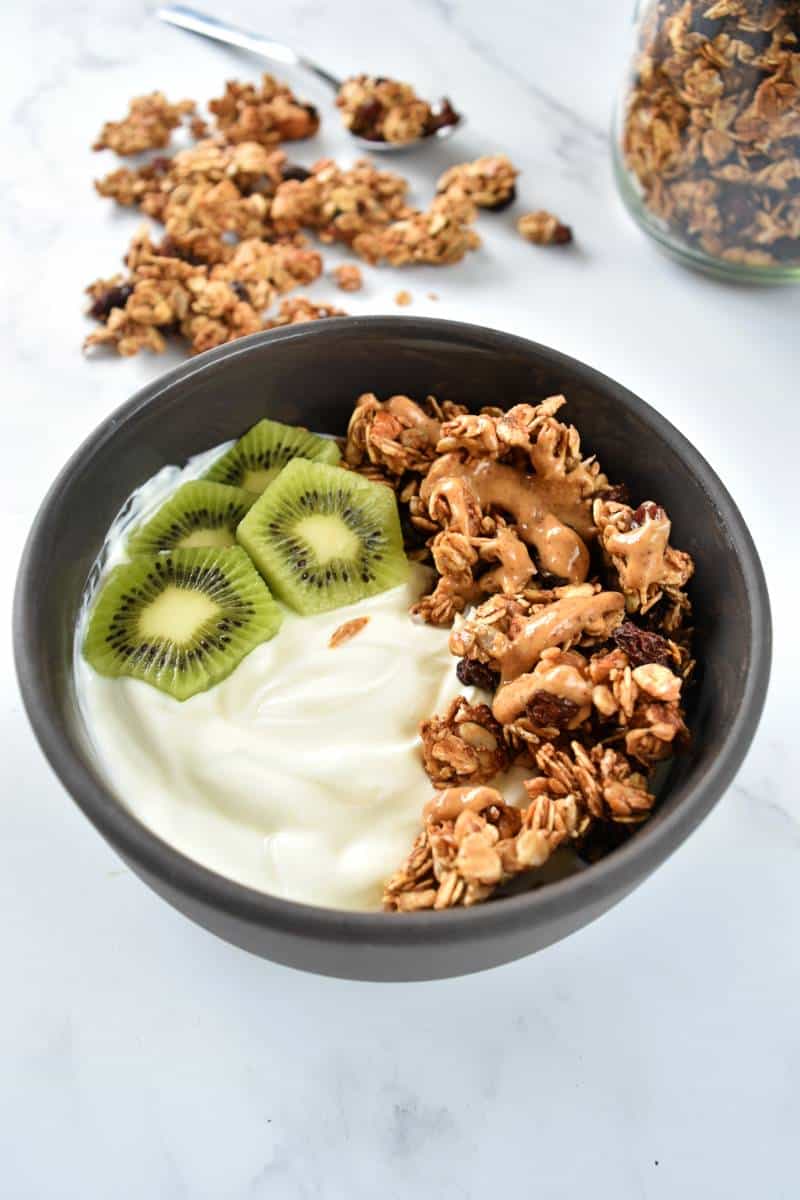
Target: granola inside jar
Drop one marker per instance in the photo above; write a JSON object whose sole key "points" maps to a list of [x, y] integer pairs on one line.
{"points": [[707, 138]]}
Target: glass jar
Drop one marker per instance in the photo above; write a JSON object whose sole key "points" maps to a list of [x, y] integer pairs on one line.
{"points": [[707, 134]]}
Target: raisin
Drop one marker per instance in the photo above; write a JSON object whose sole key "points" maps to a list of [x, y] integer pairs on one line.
{"points": [[600, 839], [446, 115], [642, 646], [115, 297], [477, 674], [506, 202], [738, 208], [240, 290], [294, 171], [365, 121], [546, 710], [170, 329]]}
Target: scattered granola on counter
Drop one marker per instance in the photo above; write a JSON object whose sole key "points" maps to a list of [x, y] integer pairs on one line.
{"points": [[147, 126], [711, 124], [543, 229], [236, 211], [567, 610], [386, 110]]}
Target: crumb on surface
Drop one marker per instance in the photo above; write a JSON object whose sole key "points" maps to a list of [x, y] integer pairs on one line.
{"points": [[403, 298], [348, 277]]}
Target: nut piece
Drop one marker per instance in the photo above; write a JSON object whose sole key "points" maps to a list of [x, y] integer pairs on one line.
{"points": [[463, 745], [543, 229], [147, 126], [347, 631]]}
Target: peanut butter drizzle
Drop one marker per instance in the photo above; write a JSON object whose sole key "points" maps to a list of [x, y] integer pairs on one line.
{"points": [[558, 624], [516, 566], [643, 549], [457, 493], [411, 414], [562, 680], [561, 550], [449, 804]]}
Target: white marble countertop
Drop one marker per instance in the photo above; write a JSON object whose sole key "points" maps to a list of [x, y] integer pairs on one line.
{"points": [[654, 1054]]}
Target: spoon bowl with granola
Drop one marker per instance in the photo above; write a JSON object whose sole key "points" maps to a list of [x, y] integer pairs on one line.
{"points": [[421, 648], [380, 114]]}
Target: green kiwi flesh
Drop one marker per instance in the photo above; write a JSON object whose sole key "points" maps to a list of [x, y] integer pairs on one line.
{"points": [[198, 514], [323, 537], [257, 458], [180, 621]]}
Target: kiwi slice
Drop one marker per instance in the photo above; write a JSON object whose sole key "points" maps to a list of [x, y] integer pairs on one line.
{"points": [[181, 621], [255, 460], [198, 514], [323, 537]]}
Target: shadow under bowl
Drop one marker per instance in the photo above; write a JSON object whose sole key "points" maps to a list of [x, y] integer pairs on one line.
{"points": [[310, 375]]}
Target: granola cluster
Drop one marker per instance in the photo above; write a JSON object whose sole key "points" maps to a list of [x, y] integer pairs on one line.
{"points": [[148, 125], [162, 295], [267, 114], [567, 609], [488, 182], [386, 110], [711, 126]]}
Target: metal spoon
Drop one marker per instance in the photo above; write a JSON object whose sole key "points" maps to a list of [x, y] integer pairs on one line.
{"points": [[220, 31]]}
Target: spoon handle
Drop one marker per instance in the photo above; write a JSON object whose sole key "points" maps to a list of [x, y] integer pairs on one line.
{"points": [[220, 31]]}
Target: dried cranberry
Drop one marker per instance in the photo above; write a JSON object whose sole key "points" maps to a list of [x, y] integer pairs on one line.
{"points": [[294, 171], [115, 297], [477, 674], [649, 511], [642, 646], [546, 710], [170, 328]]}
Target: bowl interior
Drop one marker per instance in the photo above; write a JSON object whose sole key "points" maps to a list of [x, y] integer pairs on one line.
{"points": [[311, 376]]}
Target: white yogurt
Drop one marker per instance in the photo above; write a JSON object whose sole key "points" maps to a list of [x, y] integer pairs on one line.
{"points": [[301, 773]]}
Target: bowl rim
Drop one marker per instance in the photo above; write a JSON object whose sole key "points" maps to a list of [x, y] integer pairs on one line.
{"points": [[609, 877]]}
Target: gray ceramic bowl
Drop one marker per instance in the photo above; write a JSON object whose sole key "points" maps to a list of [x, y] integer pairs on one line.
{"points": [[311, 375]]}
